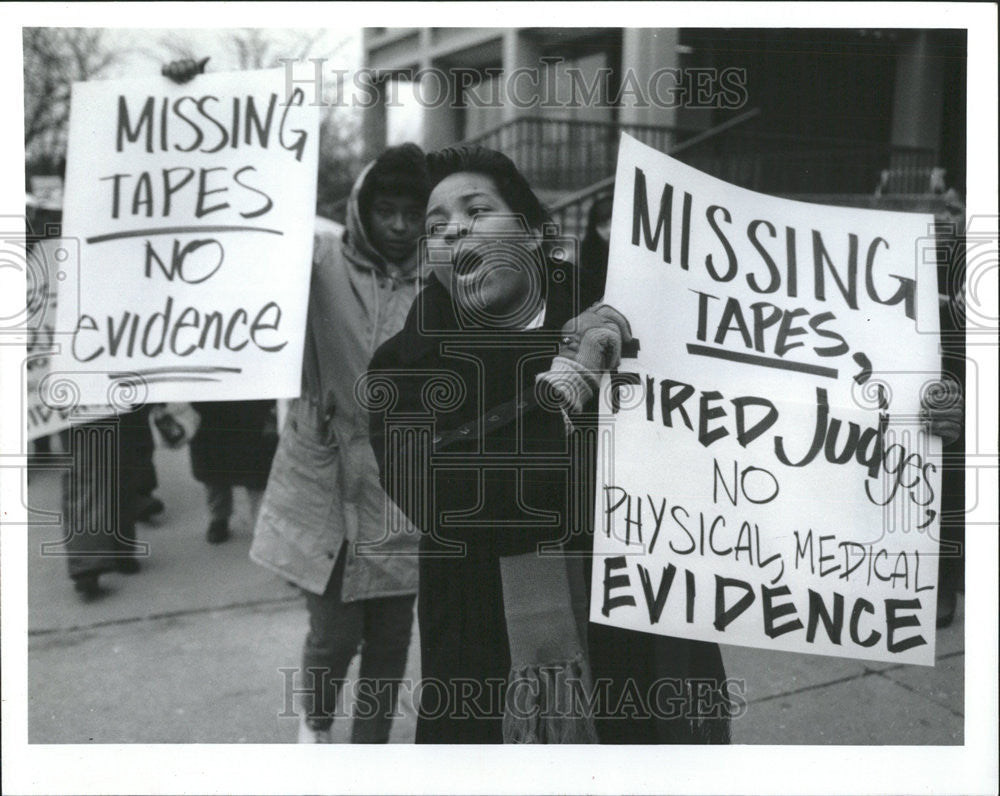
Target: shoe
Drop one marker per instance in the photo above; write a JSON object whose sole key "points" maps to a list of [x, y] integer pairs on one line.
{"points": [[149, 507], [309, 734], [218, 531], [88, 586], [128, 566]]}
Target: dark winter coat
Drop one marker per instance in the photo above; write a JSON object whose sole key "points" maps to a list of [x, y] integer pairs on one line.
{"points": [[234, 444], [504, 479], [111, 464]]}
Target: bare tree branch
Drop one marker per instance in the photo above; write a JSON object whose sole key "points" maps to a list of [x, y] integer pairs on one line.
{"points": [[54, 58]]}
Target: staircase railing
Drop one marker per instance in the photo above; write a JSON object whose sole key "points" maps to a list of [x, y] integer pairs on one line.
{"points": [[774, 163], [566, 154], [571, 154], [570, 212], [777, 164], [561, 154]]}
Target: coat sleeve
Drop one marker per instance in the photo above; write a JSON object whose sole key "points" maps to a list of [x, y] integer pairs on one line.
{"points": [[428, 485], [402, 450]]}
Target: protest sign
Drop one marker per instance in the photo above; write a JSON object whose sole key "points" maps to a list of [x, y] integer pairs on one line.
{"points": [[193, 208], [766, 480]]}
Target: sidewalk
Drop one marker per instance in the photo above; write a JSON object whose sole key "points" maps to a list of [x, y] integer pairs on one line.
{"points": [[190, 650]]}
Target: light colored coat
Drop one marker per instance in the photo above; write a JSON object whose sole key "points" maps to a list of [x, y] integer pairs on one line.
{"points": [[324, 488]]}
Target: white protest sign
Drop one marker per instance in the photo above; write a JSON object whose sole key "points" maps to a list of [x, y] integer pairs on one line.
{"points": [[766, 480], [193, 207]]}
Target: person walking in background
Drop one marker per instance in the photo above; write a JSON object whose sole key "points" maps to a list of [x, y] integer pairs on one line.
{"points": [[100, 498], [324, 524], [233, 446], [110, 480]]}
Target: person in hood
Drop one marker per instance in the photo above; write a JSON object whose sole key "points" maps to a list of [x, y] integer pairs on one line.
{"points": [[325, 524]]}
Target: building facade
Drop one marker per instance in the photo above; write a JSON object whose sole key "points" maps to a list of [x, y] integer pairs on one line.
{"points": [[781, 110]]}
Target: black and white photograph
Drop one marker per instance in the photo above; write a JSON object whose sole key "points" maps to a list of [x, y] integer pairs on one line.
{"points": [[620, 379]]}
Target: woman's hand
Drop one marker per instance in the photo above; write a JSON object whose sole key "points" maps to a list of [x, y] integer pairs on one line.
{"points": [[942, 408], [184, 70], [591, 344], [594, 338]]}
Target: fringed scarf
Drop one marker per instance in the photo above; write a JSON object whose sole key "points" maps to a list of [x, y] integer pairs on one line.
{"points": [[545, 608]]}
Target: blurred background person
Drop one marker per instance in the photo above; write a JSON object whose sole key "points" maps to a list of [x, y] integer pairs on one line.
{"points": [[99, 498], [109, 483], [233, 446]]}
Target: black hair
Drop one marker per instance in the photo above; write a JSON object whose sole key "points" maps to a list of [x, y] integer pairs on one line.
{"points": [[510, 183], [399, 171]]}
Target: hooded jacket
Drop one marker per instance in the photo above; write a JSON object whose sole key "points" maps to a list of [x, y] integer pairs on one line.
{"points": [[324, 487]]}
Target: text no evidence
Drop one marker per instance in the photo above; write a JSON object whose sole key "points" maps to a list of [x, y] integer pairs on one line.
{"points": [[129, 335]]}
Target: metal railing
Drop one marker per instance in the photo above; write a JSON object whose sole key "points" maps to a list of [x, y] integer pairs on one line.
{"points": [[784, 164], [776, 164], [567, 154], [570, 154], [576, 155], [570, 212]]}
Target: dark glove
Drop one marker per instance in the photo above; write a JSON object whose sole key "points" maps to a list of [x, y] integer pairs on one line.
{"points": [[591, 345], [176, 422], [184, 70]]}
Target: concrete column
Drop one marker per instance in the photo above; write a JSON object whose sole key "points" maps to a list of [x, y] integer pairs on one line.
{"points": [[442, 118], [644, 50], [374, 126], [917, 103], [520, 88]]}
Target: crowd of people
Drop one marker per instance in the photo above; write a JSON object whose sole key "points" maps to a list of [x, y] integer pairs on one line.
{"points": [[368, 511]]}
